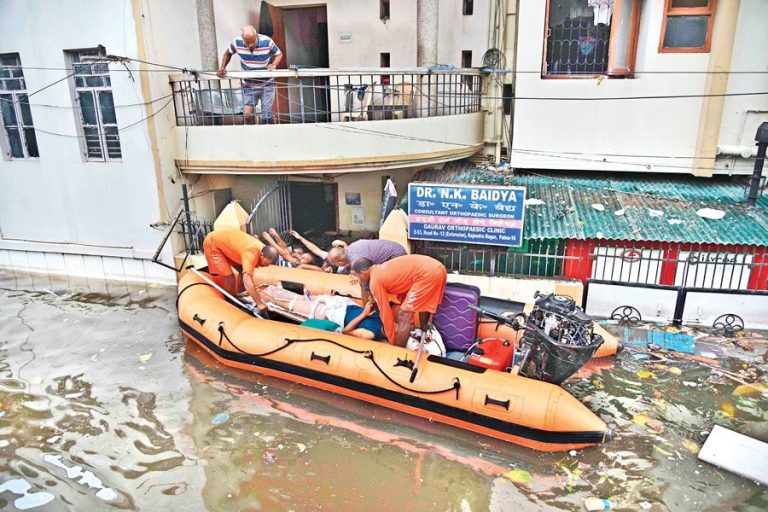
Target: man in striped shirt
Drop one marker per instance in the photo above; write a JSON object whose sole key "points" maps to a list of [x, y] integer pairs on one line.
{"points": [[378, 251], [257, 52]]}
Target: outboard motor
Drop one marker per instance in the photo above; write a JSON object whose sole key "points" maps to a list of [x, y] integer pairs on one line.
{"points": [[558, 339]]}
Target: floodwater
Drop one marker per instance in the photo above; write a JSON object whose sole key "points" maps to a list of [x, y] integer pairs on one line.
{"points": [[103, 405]]}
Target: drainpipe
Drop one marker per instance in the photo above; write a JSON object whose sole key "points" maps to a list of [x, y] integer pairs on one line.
{"points": [[720, 52], [762, 142], [206, 31], [426, 33], [740, 151], [510, 48], [493, 105], [426, 49]]}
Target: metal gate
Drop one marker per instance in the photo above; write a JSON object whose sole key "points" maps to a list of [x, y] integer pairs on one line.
{"points": [[271, 210]]}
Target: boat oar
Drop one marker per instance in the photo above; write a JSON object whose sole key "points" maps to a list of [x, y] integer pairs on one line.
{"points": [[418, 354], [254, 311]]}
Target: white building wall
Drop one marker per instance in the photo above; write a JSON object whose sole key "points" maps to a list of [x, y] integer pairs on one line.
{"points": [[61, 214], [743, 114], [457, 33], [61, 204], [371, 36], [578, 134]]}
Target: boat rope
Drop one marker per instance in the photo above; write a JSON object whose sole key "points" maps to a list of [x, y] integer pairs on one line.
{"points": [[223, 336], [368, 354], [238, 306], [187, 288], [455, 387]]}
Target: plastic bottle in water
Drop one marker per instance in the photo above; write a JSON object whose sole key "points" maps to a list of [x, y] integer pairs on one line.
{"points": [[595, 504]]}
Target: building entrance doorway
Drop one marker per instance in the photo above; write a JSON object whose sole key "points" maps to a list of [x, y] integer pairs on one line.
{"points": [[313, 207], [302, 34]]}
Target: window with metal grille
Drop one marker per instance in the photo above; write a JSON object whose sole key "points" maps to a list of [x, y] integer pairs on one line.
{"points": [[467, 7], [591, 37], [687, 26], [93, 95], [18, 130]]}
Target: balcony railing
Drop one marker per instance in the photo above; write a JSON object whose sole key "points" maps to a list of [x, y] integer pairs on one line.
{"points": [[324, 95]]}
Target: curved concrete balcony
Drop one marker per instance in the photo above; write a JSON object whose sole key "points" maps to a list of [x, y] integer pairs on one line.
{"points": [[327, 121]]}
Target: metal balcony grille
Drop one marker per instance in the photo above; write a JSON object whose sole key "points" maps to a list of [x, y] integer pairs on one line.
{"points": [[576, 46], [327, 96]]}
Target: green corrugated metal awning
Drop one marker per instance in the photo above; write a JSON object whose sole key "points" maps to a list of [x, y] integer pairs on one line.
{"points": [[654, 209]]}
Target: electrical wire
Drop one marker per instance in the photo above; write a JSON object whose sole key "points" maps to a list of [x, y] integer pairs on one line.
{"points": [[631, 98], [616, 162], [119, 129], [515, 98], [150, 102], [563, 155], [357, 129], [30, 94], [426, 70], [612, 189]]}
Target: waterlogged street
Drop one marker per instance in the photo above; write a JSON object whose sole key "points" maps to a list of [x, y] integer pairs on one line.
{"points": [[103, 405]]}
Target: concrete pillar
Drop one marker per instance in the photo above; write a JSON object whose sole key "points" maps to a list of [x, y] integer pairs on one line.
{"points": [[206, 31], [720, 52], [426, 32]]}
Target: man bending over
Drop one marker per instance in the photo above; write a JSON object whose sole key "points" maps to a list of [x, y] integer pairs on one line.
{"points": [[231, 249], [417, 281]]}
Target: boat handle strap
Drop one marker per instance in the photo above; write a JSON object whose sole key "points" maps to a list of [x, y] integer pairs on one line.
{"points": [[315, 357], [493, 401]]}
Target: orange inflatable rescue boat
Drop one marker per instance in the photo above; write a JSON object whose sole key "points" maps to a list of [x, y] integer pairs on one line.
{"points": [[500, 404]]}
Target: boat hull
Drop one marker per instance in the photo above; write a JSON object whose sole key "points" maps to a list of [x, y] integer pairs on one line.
{"points": [[508, 407]]}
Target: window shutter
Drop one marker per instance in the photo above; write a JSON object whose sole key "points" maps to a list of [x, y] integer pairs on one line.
{"points": [[624, 30]]}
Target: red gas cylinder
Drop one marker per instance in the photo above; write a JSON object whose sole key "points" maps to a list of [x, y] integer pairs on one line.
{"points": [[493, 353]]}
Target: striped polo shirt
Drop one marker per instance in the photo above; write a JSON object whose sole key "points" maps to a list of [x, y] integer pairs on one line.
{"points": [[258, 58], [378, 251]]}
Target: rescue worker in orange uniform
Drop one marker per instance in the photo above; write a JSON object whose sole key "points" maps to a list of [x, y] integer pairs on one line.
{"points": [[417, 281], [230, 249]]}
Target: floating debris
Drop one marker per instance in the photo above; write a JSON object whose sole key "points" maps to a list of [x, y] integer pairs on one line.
{"points": [[518, 476], [736, 453], [220, 418], [758, 388], [593, 504]]}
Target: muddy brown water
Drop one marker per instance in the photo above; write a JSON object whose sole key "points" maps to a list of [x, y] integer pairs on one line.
{"points": [[103, 405]]}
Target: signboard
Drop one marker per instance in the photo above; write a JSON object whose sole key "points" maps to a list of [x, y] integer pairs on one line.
{"points": [[474, 214]]}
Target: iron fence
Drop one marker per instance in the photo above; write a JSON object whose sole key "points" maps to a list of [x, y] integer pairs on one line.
{"points": [[194, 231], [322, 96], [687, 265], [271, 210], [535, 258]]}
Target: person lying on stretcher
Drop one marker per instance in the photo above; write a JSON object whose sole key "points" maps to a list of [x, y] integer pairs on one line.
{"points": [[327, 312]]}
